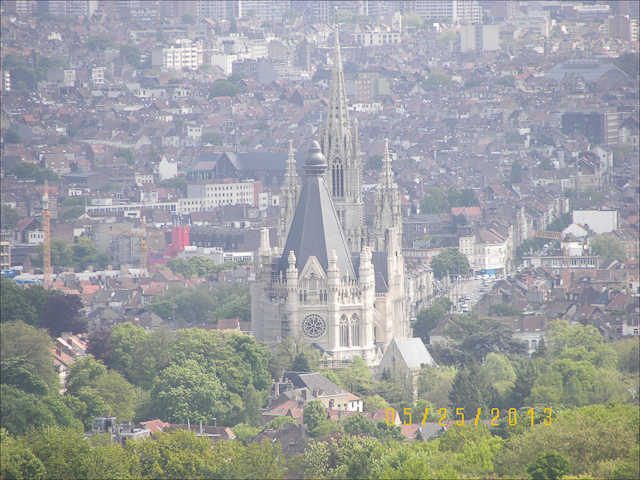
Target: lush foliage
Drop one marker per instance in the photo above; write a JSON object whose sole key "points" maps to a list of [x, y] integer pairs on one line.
{"points": [[608, 247], [198, 305], [31, 171], [23, 304], [428, 318], [438, 201], [198, 266], [450, 261], [225, 88]]}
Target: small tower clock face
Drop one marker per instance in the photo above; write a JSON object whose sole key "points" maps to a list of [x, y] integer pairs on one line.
{"points": [[314, 326]]}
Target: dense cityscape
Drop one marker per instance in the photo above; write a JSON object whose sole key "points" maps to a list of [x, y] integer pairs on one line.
{"points": [[320, 239]]}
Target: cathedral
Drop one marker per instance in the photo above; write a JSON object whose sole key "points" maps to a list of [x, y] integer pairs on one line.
{"points": [[329, 281]]}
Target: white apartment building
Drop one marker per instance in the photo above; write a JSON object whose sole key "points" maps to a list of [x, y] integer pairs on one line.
{"points": [[207, 197], [183, 55], [468, 11], [488, 252], [539, 25], [483, 38]]}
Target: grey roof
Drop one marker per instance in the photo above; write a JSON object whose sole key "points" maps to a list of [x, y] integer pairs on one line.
{"points": [[589, 69], [430, 430], [252, 161], [414, 352], [315, 229], [314, 381]]}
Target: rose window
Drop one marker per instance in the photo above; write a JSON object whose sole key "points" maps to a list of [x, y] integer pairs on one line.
{"points": [[314, 326]]}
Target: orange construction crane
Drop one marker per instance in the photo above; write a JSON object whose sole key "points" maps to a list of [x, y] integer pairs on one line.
{"points": [[46, 226], [566, 270]]}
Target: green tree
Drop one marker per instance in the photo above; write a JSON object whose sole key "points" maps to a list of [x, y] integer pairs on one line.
{"points": [[314, 414], [428, 318], [127, 154], [471, 390], [434, 201], [252, 404], [287, 350], [63, 452], [346, 456], [438, 80], [63, 313], [126, 338], [84, 253], [18, 461], [10, 217], [506, 81], [187, 392], [18, 373], [504, 310], [101, 41], [92, 406], [61, 255], [131, 54], [474, 442], [412, 20], [211, 138], [579, 342], [17, 339], [20, 304], [608, 247], [276, 423], [586, 436], [224, 88], [549, 465], [375, 403], [515, 176], [356, 377], [31, 171], [525, 378], [450, 261], [117, 393], [492, 336], [83, 373], [628, 63], [12, 136]]}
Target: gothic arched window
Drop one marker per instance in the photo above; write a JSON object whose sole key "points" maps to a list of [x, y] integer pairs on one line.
{"points": [[344, 331], [355, 330], [337, 178]]}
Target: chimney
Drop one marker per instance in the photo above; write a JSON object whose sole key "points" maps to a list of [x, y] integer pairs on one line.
{"points": [[304, 394]]}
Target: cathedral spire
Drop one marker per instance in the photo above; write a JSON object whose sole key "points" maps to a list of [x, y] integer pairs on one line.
{"points": [[289, 197], [388, 212], [337, 137], [339, 143]]}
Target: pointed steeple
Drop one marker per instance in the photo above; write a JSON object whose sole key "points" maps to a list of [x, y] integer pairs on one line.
{"points": [[289, 197], [388, 213], [337, 137], [315, 229], [340, 146]]}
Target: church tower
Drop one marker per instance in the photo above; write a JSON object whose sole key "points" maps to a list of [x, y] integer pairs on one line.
{"points": [[388, 213], [340, 145], [289, 197]]}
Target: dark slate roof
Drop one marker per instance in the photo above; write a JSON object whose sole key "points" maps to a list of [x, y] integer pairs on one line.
{"points": [[313, 381], [315, 229], [379, 260], [262, 161]]}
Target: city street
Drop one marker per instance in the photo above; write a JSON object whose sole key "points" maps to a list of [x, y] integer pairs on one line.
{"points": [[466, 288]]}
